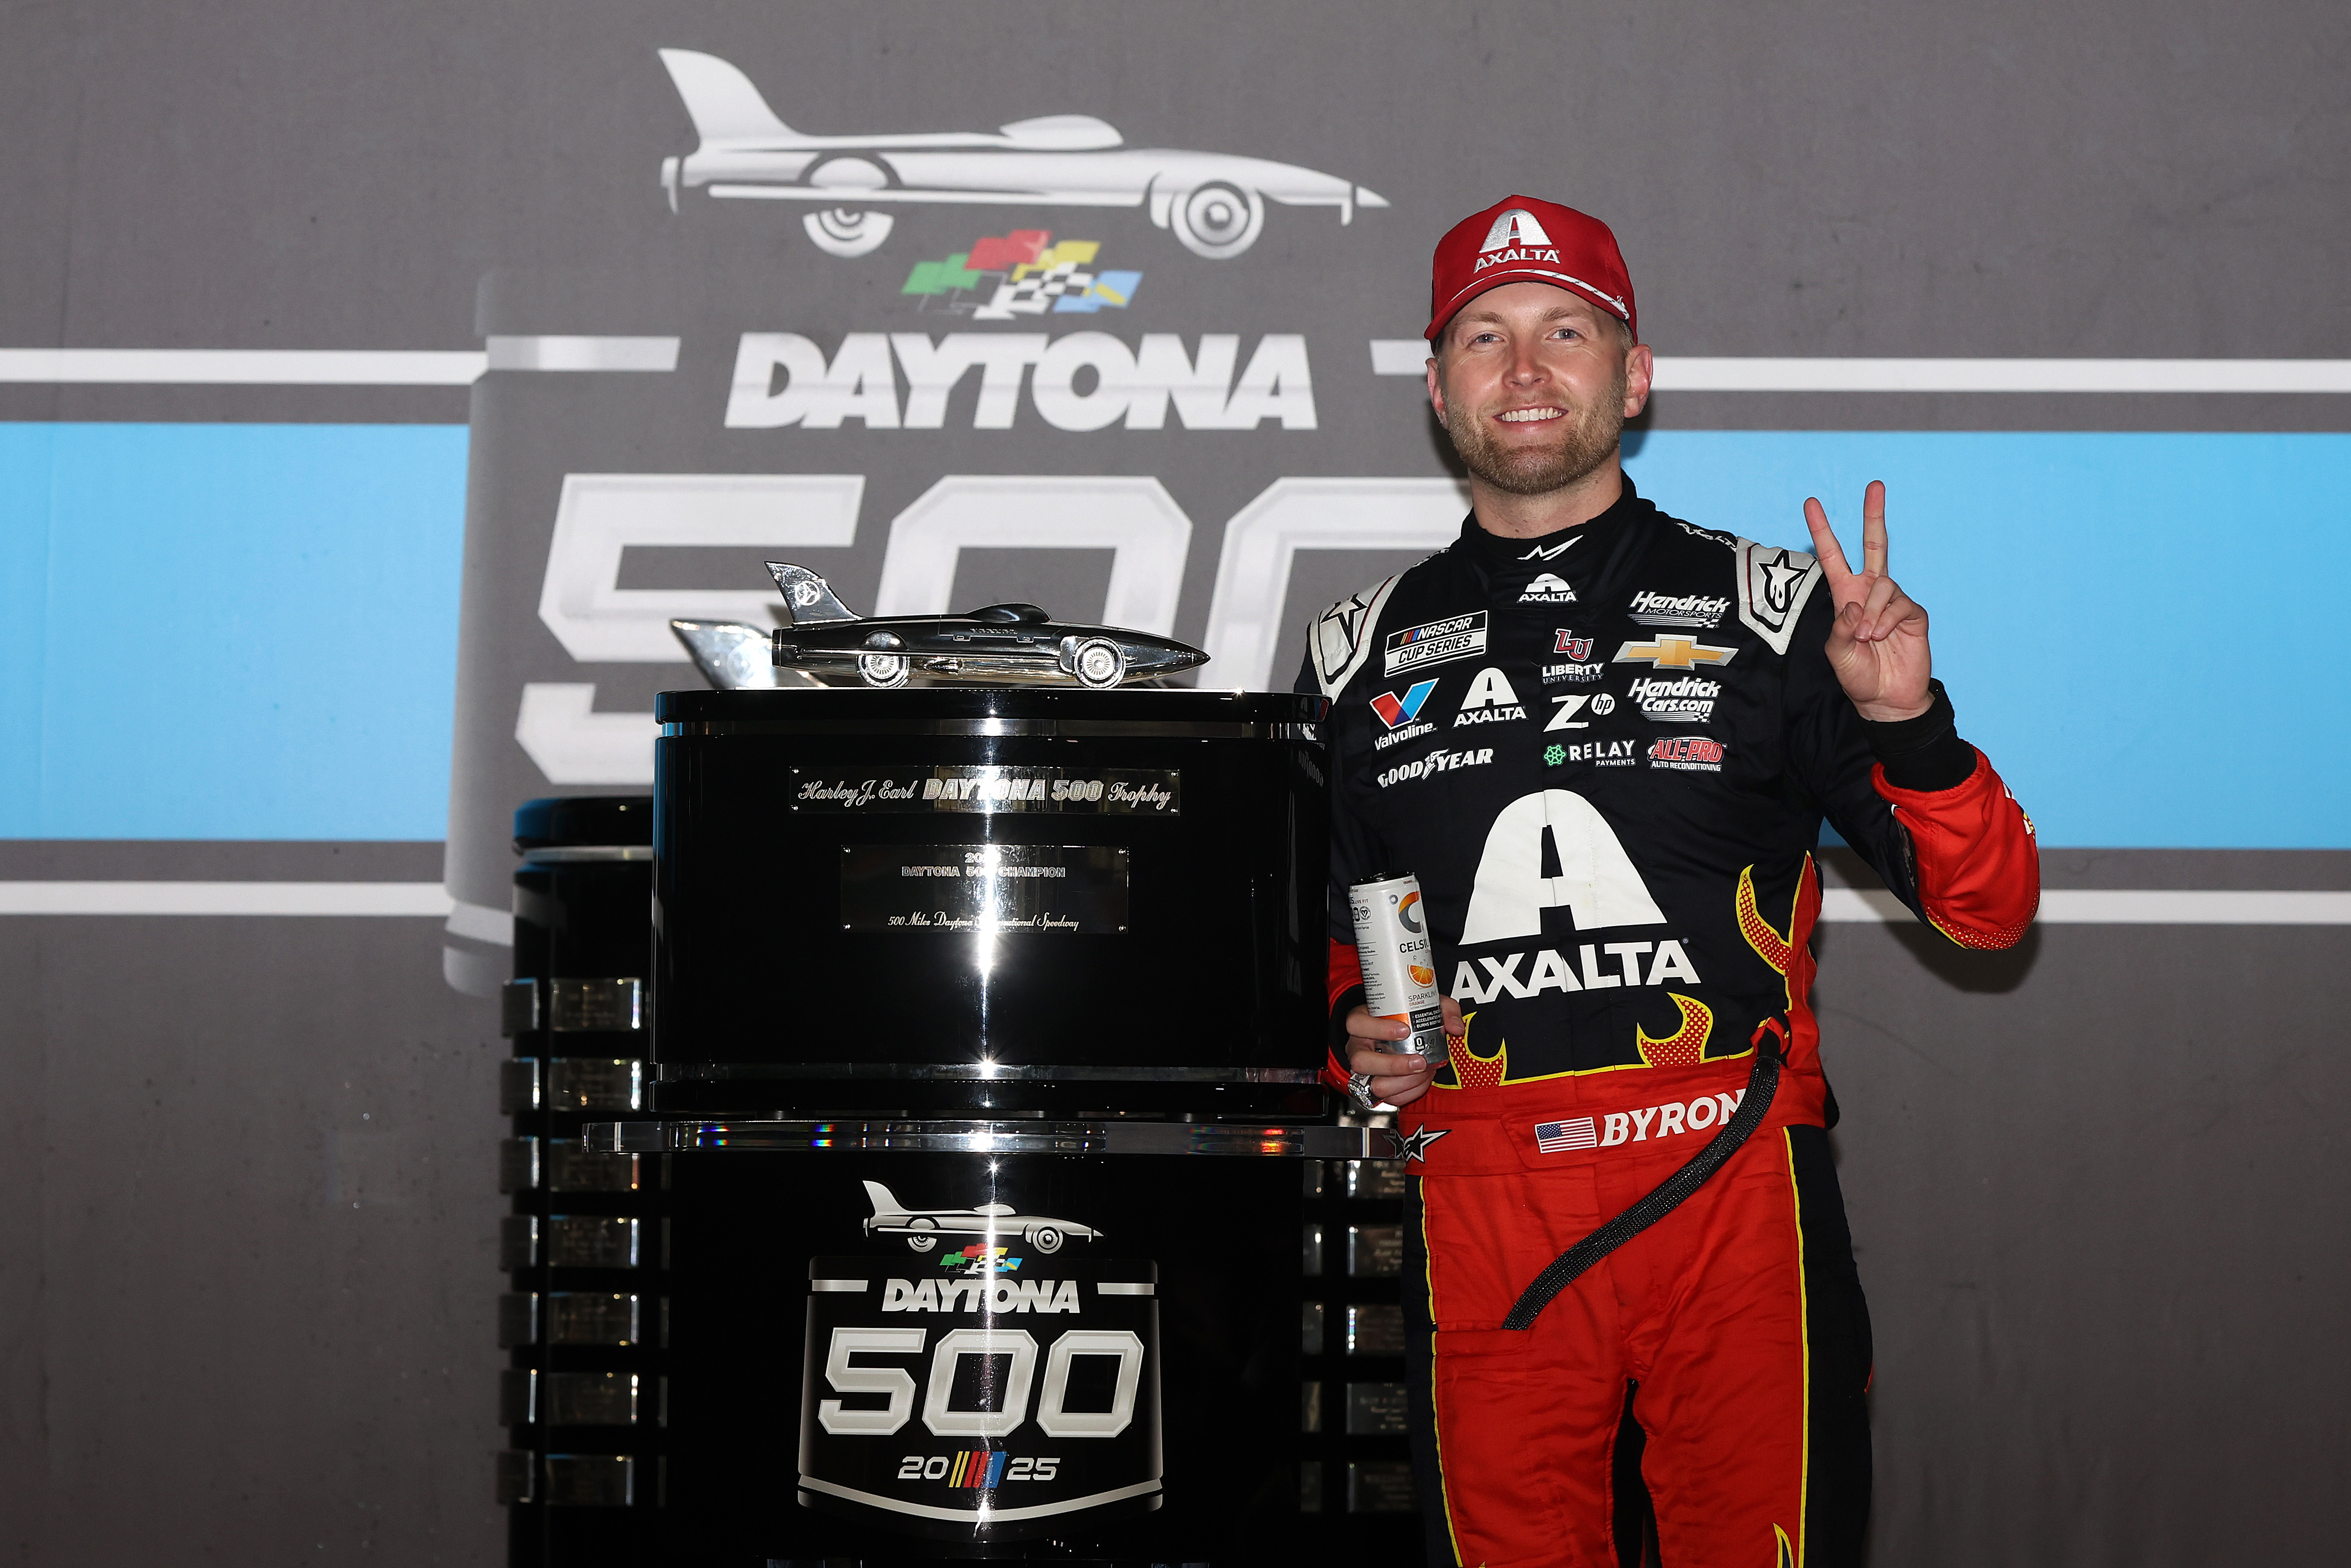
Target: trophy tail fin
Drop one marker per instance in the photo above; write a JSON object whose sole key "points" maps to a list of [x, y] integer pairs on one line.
{"points": [[808, 597]]}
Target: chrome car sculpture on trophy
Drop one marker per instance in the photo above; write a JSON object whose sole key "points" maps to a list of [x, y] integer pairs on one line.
{"points": [[997, 645]]}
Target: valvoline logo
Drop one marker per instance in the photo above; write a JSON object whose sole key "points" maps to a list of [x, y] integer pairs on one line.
{"points": [[1395, 710]]}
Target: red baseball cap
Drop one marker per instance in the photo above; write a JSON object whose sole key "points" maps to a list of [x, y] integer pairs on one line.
{"points": [[1521, 240]]}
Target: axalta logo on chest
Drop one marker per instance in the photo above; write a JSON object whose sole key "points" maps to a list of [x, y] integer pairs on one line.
{"points": [[1548, 589], [1491, 699], [1556, 971]]}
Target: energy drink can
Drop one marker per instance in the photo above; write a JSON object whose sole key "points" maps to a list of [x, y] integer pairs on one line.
{"points": [[1399, 960]]}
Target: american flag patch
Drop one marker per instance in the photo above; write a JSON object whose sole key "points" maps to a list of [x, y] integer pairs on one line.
{"points": [[1558, 1138]]}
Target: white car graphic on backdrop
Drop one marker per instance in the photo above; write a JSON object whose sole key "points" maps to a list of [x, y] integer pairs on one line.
{"points": [[1215, 203], [921, 1227]]}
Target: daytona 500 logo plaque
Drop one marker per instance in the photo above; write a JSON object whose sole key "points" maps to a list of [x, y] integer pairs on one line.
{"points": [[979, 1384]]}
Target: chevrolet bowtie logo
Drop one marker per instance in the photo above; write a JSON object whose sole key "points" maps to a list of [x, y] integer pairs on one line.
{"points": [[1673, 653]]}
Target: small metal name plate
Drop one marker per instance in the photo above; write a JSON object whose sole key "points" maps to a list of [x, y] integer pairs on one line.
{"points": [[1072, 889], [1102, 792]]}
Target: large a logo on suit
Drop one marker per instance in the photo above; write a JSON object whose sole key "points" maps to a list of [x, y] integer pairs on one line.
{"points": [[1597, 880]]}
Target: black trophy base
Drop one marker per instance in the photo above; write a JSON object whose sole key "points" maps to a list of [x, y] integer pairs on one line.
{"points": [[1105, 1352]]}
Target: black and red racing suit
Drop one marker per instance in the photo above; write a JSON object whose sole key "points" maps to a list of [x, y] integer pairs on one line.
{"points": [[1607, 754]]}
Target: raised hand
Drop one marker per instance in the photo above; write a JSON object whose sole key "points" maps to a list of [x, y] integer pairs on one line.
{"points": [[1879, 646]]}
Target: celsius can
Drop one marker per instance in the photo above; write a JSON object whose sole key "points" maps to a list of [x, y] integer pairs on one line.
{"points": [[1399, 960]]}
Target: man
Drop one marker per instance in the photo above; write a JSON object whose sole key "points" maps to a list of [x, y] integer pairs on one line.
{"points": [[1604, 741]]}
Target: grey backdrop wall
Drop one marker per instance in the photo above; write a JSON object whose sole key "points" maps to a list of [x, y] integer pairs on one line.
{"points": [[245, 1302]]}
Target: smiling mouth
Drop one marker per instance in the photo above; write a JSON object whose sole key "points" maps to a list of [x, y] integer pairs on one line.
{"points": [[1529, 415]]}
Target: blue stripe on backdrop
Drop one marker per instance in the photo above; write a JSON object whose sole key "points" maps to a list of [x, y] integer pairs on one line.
{"points": [[228, 630], [2081, 589], [250, 631]]}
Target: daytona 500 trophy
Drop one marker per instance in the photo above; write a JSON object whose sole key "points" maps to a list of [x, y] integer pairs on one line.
{"points": [[1001, 1216]]}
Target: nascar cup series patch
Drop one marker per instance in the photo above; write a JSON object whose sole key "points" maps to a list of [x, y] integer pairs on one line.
{"points": [[1434, 641]]}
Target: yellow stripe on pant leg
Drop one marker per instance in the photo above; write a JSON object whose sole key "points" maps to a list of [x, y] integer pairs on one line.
{"points": [[1435, 1417], [1804, 1336]]}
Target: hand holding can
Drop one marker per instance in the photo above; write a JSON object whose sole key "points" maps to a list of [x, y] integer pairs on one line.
{"points": [[1399, 960]]}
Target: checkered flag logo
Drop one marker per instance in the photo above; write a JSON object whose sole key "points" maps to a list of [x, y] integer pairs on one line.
{"points": [[1034, 295]]}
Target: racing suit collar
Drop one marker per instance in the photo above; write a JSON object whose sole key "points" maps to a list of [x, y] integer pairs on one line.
{"points": [[1506, 556], [1579, 565]]}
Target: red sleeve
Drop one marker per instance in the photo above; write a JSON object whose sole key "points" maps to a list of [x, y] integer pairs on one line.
{"points": [[1346, 980], [1978, 867]]}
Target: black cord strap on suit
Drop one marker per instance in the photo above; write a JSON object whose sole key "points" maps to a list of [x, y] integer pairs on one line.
{"points": [[1762, 1083]]}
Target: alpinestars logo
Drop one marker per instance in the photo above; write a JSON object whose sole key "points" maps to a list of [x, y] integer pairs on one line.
{"points": [[1516, 236], [1491, 700], [1415, 1146], [1690, 700], [1395, 711], [1547, 588], [1688, 610], [1556, 551]]}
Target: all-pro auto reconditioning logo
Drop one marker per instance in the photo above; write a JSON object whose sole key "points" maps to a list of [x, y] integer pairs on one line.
{"points": [[1214, 202]]}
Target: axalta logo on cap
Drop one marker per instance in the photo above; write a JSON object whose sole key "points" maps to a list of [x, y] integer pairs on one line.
{"points": [[1516, 236], [1515, 225], [1523, 238]]}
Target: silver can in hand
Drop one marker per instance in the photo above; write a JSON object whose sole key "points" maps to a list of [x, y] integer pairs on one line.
{"points": [[1399, 961]]}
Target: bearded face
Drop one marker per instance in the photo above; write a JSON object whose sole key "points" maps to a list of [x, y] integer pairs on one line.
{"points": [[1551, 453]]}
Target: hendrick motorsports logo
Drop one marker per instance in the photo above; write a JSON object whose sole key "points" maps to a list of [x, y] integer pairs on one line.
{"points": [[1215, 203]]}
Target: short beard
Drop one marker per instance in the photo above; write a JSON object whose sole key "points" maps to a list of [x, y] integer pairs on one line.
{"points": [[1591, 437]]}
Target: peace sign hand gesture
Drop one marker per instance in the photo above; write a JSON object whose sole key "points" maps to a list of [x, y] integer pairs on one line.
{"points": [[1878, 644]]}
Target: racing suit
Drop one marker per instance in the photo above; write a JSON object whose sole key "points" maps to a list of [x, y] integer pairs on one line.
{"points": [[1606, 754]]}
